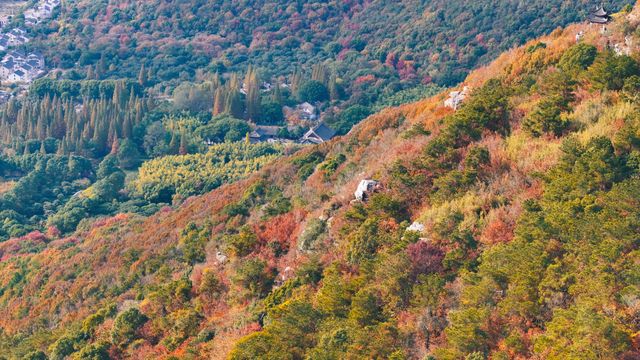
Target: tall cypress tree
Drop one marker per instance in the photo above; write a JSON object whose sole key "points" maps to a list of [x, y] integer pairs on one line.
{"points": [[218, 102], [174, 144], [142, 76], [183, 144], [234, 105], [252, 84]]}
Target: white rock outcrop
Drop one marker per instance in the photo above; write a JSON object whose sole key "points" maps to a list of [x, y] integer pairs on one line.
{"points": [[416, 226], [456, 98], [364, 188], [221, 258]]}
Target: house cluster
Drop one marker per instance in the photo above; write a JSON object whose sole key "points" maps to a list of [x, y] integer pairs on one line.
{"points": [[40, 12], [14, 37], [303, 112], [19, 67], [302, 115]]}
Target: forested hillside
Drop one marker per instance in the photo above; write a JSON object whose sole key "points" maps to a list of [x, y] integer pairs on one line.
{"points": [[134, 81], [410, 41], [506, 230]]}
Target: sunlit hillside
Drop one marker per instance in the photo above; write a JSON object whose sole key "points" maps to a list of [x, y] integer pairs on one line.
{"points": [[504, 229]]}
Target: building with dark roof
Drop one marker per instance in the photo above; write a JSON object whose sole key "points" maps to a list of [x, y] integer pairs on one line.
{"points": [[318, 134], [264, 133], [599, 15], [17, 66]]}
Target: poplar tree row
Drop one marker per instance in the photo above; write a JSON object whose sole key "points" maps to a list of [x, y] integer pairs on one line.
{"points": [[89, 127]]}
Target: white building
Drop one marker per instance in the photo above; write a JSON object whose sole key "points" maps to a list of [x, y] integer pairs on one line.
{"points": [[307, 111], [16, 37], [416, 226]]}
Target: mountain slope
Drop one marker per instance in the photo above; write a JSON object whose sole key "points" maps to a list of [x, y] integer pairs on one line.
{"points": [[419, 40], [528, 197]]}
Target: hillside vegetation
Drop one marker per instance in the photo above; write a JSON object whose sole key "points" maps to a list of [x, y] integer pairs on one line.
{"points": [[418, 40], [528, 200], [136, 81], [187, 175]]}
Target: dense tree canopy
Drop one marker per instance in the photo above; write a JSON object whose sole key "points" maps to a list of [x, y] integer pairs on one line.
{"points": [[504, 229]]}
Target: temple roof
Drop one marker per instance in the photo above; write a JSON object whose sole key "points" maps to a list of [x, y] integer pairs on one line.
{"points": [[322, 132], [598, 20], [599, 15], [600, 11], [265, 131]]}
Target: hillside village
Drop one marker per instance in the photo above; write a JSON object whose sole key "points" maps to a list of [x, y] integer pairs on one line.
{"points": [[303, 115], [14, 37], [43, 10], [18, 67], [8, 9]]}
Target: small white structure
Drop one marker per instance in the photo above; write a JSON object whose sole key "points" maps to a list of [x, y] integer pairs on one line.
{"points": [[15, 37], [364, 188], [222, 258], [456, 98], [307, 111], [307, 108], [416, 226], [579, 36], [287, 273]]}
